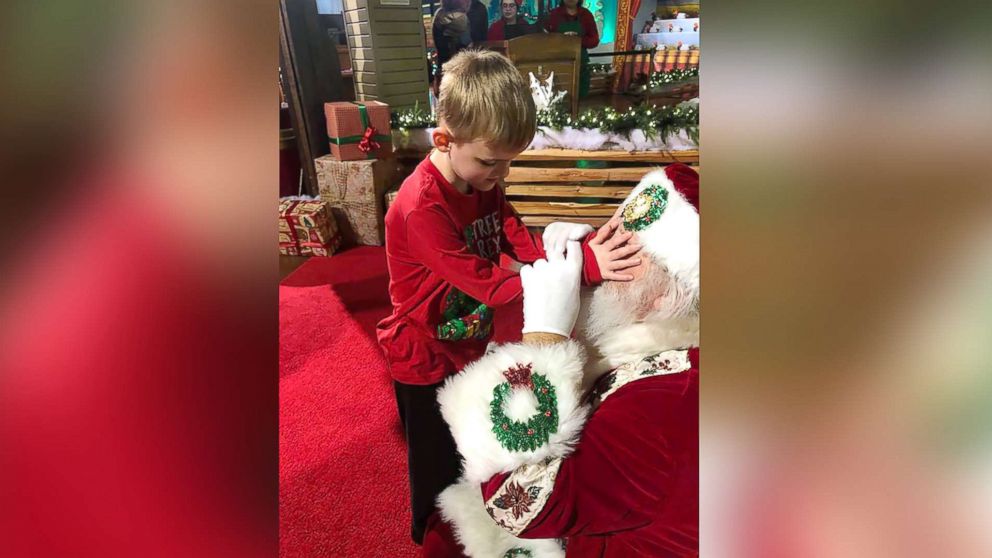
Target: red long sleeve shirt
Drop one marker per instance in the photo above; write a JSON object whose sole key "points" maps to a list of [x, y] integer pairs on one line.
{"points": [[442, 251], [590, 34]]}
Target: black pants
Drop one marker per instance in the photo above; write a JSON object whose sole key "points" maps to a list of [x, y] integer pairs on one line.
{"points": [[432, 459]]}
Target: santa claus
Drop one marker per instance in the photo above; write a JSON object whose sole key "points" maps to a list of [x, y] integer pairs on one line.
{"points": [[587, 446]]}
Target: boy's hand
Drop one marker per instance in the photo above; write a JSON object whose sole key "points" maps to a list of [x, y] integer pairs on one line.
{"points": [[613, 251], [557, 234]]}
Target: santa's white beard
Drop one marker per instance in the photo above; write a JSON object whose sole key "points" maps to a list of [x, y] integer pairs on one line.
{"points": [[614, 305], [621, 322]]}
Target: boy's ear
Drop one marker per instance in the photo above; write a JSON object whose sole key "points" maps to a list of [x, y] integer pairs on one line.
{"points": [[442, 139]]}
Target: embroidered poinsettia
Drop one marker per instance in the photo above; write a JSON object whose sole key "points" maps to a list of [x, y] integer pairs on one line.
{"points": [[517, 499]]}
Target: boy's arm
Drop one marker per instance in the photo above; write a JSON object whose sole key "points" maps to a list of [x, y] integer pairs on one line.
{"points": [[439, 246], [518, 242], [523, 246]]}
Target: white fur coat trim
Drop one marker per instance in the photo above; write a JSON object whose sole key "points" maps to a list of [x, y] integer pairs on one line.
{"points": [[465, 405], [462, 506]]}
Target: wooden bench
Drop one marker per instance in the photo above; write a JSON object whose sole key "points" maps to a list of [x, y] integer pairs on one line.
{"points": [[546, 185]]}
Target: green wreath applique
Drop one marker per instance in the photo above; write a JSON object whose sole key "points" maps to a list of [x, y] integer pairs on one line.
{"points": [[536, 431], [464, 318], [645, 208]]}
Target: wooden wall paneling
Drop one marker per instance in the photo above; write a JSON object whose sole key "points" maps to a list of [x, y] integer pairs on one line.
{"points": [[545, 185], [389, 50]]}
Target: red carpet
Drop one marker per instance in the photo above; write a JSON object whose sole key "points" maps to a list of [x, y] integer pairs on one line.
{"points": [[342, 469]]}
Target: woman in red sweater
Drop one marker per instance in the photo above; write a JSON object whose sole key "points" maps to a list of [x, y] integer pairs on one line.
{"points": [[570, 18]]}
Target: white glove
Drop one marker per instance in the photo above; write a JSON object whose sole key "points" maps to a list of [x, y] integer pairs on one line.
{"points": [[557, 234], [551, 292]]}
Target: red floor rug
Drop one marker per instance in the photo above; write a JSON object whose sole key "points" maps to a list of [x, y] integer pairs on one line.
{"points": [[342, 463]]}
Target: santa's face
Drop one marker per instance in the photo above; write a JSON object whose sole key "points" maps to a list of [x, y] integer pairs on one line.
{"points": [[616, 304], [653, 295]]}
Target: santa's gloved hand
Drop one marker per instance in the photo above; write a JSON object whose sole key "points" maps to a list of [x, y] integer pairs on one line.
{"points": [[557, 234], [551, 292]]}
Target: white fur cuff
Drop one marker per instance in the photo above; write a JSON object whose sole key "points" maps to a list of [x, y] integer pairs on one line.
{"points": [[467, 405], [461, 505]]}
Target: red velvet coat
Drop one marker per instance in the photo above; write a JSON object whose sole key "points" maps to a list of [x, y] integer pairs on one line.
{"points": [[631, 486]]}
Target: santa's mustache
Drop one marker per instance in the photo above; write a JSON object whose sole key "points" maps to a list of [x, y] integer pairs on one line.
{"points": [[614, 304]]}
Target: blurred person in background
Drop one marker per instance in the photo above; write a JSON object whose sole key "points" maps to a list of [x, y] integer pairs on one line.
{"points": [[478, 21], [570, 18], [510, 25], [451, 33]]}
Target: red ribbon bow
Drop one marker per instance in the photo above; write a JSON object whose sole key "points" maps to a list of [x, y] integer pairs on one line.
{"points": [[368, 142]]}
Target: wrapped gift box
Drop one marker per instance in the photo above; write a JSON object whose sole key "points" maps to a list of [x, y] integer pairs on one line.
{"points": [[355, 191], [359, 130], [307, 228]]}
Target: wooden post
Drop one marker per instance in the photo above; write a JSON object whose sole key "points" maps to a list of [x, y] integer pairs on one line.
{"points": [[313, 77], [388, 47]]}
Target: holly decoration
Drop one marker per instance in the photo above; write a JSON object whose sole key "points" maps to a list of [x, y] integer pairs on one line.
{"points": [[517, 553], [536, 431]]}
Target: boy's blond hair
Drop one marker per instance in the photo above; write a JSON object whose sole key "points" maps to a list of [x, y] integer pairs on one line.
{"points": [[484, 97]]}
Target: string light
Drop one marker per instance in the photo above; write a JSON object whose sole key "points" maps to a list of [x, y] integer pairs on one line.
{"points": [[652, 121]]}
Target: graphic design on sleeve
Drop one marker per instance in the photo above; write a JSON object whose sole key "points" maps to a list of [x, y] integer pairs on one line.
{"points": [[464, 318]]}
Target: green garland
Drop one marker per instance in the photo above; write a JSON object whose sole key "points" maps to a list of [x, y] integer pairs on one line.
{"points": [[653, 121], [412, 118], [672, 76], [600, 68]]}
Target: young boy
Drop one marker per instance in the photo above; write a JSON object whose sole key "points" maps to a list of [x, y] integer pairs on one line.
{"points": [[445, 233]]}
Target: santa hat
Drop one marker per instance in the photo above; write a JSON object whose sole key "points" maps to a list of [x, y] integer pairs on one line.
{"points": [[663, 211]]}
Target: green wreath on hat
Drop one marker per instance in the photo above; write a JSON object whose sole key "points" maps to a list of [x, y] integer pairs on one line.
{"points": [[537, 430], [645, 208]]}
